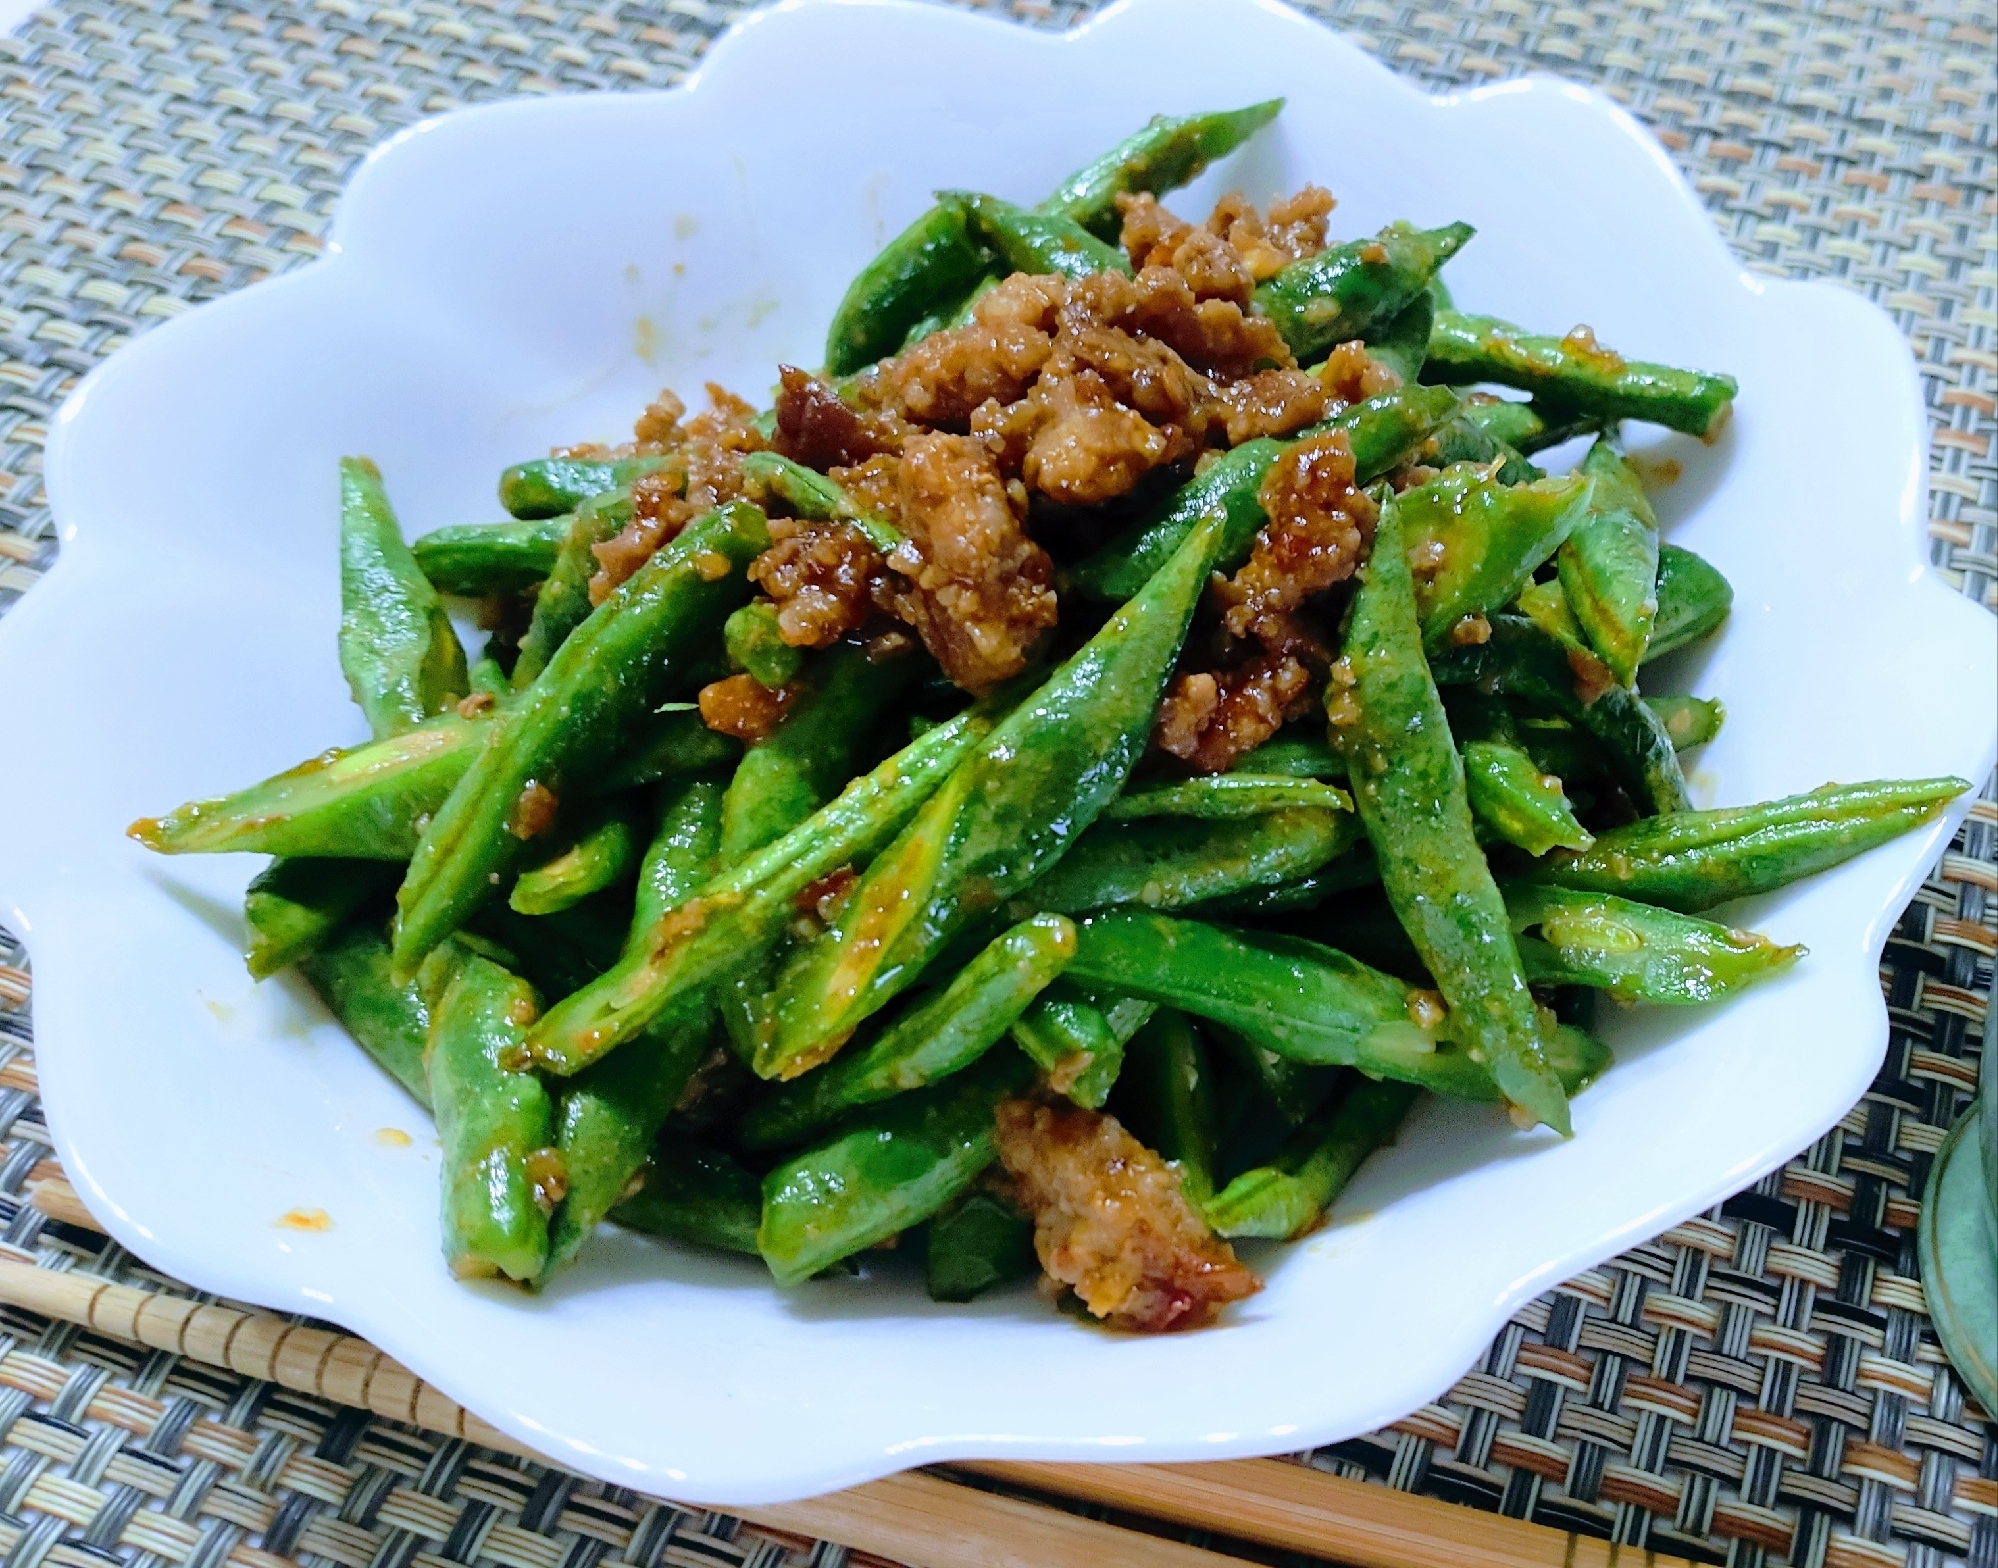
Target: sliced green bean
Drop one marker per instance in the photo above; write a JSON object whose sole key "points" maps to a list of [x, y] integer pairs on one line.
{"points": [[1693, 600], [1578, 373], [757, 647], [736, 919], [551, 486], [603, 851], [1284, 1199], [814, 496], [1382, 430], [293, 906], [942, 1034], [367, 802], [477, 559], [1168, 152], [1609, 565], [975, 1243], [691, 1193], [1166, 1099], [1170, 862], [1637, 952], [927, 267], [1690, 721], [491, 1117], [1693, 860], [398, 650], [1223, 797], [613, 668], [1512, 797], [1474, 542], [563, 601], [887, 1171], [1348, 291], [1077, 1037], [1036, 242], [1013, 808], [1408, 785]]}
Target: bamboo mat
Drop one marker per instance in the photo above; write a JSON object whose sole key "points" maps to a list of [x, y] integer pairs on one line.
{"points": [[1758, 1386]]}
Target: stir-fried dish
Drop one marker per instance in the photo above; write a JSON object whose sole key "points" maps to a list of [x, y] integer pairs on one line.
{"points": [[1050, 792]]}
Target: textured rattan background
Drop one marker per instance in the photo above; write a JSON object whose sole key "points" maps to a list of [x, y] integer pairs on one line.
{"points": [[1758, 1386]]}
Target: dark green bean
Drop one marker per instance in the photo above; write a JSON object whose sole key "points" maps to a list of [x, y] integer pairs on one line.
{"points": [[478, 559], [1637, 952], [293, 906], [601, 851], [1693, 860], [1690, 721], [1285, 1198], [756, 646], [925, 268], [941, 1034], [1693, 599], [1474, 542], [1166, 1099], [1353, 870], [1408, 785], [398, 650], [1036, 242], [550, 486], [975, 1243], [1511, 796], [388, 1018], [887, 1171], [1009, 812], [814, 496], [613, 668], [1077, 1037], [1578, 373], [494, 1125], [695, 1194], [1225, 797], [1609, 565], [563, 601], [1168, 152], [1292, 755], [672, 742], [1403, 343], [1348, 291]]}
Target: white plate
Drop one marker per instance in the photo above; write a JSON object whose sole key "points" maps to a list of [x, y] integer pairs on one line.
{"points": [[509, 277]]}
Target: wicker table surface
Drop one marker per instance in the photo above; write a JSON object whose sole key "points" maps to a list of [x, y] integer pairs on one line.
{"points": [[1759, 1385]]}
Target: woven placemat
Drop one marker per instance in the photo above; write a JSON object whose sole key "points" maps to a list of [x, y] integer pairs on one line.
{"points": [[1760, 1385]]}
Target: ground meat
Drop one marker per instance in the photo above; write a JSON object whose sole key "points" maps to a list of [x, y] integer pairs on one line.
{"points": [[978, 586], [1213, 335], [816, 427], [744, 707], [875, 485], [1351, 375], [1319, 525], [707, 471], [825, 579], [659, 510], [1294, 229], [1209, 719], [997, 354], [658, 428], [1089, 447], [1209, 265], [1271, 403], [1110, 1220]]}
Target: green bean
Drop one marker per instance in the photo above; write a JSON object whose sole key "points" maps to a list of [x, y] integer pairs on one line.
{"points": [[975, 1243], [1578, 373], [736, 919], [613, 668], [1036, 242], [487, 678], [557, 954], [1347, 291], [1285, 1198], [491, 1118], [563, 601], [600, 852], [1690, 721], [550, 486], [363, 803], [1007, 814], [388, 1018], [293, 906], [1170, 862], [1460, 440], [927, 267], [1546, 605], [801, 765], [756, 646], [1522, 426], [673, 742], [1408, 785], [1403, 343], [1167, 153], [1355, 869], [1512, 797], [401, 657], [695, 1194], [814, 496], [478, 559], [685, 852], [1693, 860], [1474, 542], [1223, 797], [1166, 1099], [1521, 660], [1637, 952], [1077, 1037], [886, 1171], [1693, 599], [1293, 756], [1609, 565], [942, 1034], [1382, 431]]}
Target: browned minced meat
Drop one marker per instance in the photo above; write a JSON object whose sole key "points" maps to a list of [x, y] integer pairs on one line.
{"points": [[996, 355], [533, 811], [978, 588], [707, 471], [743, 706], [1293, 230], [819, 428], [1319, 525], [1111, 1223], [1350, 375], [1209, 718], [825, 579], [1271, 403]]}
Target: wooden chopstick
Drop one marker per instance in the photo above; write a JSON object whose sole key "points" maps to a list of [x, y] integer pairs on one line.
{"points": [[917, 1517]]}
